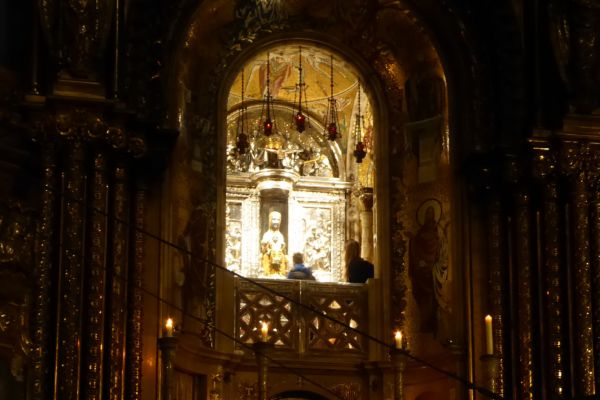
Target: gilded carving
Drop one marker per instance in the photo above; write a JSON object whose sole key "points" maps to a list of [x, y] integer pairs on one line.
{"points": [[523, 230], [42, 276], [399, 247], [523, 255], [577, 161], [198, 293], [118, 288], [583, 288], [95, 298], [134, 388], [595, 237], [247, 391], [299, 328], [92, 127], [77, 31], [496, 297], [70, 315], [16, 238], [347, 391], [545, 169]]}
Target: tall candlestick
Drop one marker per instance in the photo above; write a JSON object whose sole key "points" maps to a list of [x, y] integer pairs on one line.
{"points": [[169, 327], [264, 330], [489, 339], [398, 339]]}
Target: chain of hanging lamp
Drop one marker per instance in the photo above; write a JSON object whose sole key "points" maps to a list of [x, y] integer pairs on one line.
{"points": [[360, 150], [268, 123], [299, 118], [242, 143], [331, 118]]}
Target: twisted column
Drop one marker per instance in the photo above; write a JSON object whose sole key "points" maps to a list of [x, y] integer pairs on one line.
{"points": [[68, 361], [575, 159], [43, 276], [96, 295]]}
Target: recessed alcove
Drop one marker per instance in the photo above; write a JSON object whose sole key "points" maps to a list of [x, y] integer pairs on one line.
{"points": [[311, 181]]}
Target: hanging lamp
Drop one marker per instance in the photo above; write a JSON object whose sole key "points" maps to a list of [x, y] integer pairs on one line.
{"points": [[299, 118], [360, 150], [242, 143], [331, 116], [267, 110]]}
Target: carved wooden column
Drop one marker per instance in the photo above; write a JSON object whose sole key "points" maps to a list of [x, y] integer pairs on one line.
{"points": [[581, 271], [522, 256], [595, 228], [68, 360], [43, 276], [118, 289], [496, 278], [135, 294], [552, 320], [96, 278]]}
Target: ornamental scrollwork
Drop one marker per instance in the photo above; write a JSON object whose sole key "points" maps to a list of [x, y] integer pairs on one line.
{"points": [[16, 238], [347, 391], [83, 125]]}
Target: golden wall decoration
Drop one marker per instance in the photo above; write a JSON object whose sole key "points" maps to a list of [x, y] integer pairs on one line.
{"points": [[135, 297], [545, 169], [43, 283], [496, 245], [95, 297], [524, 290]]}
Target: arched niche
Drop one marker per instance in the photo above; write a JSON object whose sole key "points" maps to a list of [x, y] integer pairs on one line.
{"points": [[317, 178], [387, 54]]}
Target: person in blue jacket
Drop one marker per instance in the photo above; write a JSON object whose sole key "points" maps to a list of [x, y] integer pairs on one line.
{"points": [[300, 271]]}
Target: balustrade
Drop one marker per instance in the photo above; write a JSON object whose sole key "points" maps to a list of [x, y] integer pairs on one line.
{"points": [[302, 316]]}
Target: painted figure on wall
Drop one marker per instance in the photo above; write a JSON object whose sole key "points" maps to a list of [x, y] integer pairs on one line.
{"points": [[273, 249], [428, 264]]}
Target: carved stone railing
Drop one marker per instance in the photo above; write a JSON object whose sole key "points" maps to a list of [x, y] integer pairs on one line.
{"points": [[298, 329]]}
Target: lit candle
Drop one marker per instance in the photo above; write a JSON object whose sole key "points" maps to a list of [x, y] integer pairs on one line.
{"points": [[264, 330], [398, 339], [489, 339], [169, 327]]}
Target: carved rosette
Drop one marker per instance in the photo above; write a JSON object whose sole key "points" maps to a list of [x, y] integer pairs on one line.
{"points": [[544, 167], [575, 162], [91, 127]]}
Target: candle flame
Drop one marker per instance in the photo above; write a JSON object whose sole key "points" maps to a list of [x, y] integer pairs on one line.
{"points": [[169, 323]]}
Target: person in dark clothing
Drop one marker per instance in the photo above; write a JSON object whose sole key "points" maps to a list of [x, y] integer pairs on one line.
{"points": [[358, 270], [300, 271]]}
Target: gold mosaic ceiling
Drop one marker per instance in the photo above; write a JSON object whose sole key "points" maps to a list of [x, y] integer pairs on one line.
{"points": [[284, 61]]}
